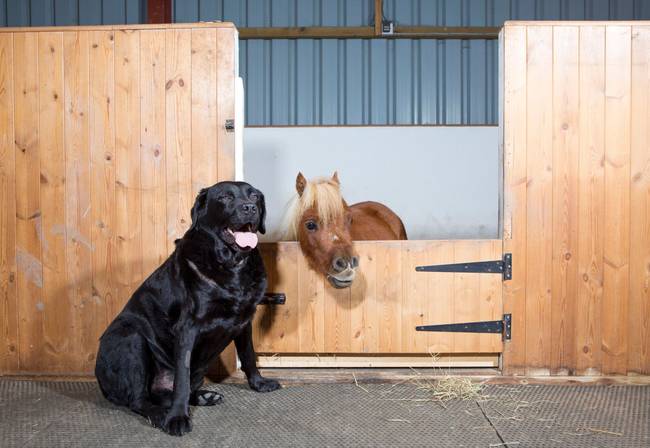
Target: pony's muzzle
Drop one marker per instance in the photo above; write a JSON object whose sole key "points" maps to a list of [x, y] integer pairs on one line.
{"points": [[344, 269], [340, 264]]}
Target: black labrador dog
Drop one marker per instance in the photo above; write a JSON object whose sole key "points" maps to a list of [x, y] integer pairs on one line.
{"points": [[153, 357]]}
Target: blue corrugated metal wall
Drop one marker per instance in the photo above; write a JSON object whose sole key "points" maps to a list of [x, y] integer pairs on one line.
{"points": [[71, 12], [381, 81]]}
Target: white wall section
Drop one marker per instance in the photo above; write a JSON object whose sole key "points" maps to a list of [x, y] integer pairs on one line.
{"points": [[442, 181]]}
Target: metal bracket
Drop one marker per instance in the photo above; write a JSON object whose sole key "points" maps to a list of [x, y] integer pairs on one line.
{"points": [[503, 267], [230, 125], [489, 326], [273, 299]]}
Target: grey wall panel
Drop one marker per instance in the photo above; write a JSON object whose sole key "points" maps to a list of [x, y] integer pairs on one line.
{"points": [[71, 12], [381, 82]]}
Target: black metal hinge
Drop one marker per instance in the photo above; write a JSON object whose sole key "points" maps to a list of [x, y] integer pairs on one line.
{"points": [[230, 125], [503, 267], [489, 326], [273, 299]]}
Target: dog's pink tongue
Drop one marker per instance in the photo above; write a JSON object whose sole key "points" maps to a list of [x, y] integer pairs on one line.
{"points": [[246, 239]]}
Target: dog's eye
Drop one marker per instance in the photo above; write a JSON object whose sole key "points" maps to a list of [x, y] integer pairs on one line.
{"points": [[253, 196], [311, 226], [227, 197]]}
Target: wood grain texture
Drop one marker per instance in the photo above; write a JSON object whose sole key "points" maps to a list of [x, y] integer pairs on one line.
{"points": [[466, 295], [591, 194], [595, 226], [128, 187], [178, 131], [78, 217], [387, 300], [153, 173], [515, 183], [566, 88], [440, 297], [204, 109], [617, 199], [639, 306], [101, 135], [539, 196], [8, 293], [225, 95], [58, 321], [29, 266], [86, 125]]}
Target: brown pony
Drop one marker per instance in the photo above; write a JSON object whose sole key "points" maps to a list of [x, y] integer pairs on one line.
{"points": [[325, 225]]}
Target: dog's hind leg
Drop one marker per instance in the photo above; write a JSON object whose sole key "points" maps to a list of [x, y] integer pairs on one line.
{"points": [[124, 371]]}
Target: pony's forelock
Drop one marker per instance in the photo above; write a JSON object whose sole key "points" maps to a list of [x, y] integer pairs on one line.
{"points": [[322, 193]]}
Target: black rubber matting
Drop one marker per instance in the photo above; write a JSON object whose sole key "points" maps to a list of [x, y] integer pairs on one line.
{"points": [[69, 414]]}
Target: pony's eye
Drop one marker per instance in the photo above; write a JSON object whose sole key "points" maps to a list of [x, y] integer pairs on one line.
{"points": [[311, 226]]}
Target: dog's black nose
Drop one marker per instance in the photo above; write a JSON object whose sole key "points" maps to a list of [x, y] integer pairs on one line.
{"points": [[249, 209]]}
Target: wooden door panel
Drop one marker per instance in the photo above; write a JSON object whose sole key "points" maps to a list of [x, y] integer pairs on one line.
{"points": [[378, 315]]}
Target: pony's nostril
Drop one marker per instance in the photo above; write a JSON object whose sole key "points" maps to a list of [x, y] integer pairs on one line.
{"points": [[340, 264], [354, 262]]}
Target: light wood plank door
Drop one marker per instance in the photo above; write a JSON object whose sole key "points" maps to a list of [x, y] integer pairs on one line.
{"points": [[379, 313], [106, 135]]}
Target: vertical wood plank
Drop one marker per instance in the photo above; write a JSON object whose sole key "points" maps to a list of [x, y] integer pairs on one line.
{"points": [[364, 300], [539, 197], [8, 294], [311, 308], [56, 302], [566, 86], [466, 295], [338, 325], [152, 149], [226, 42], [204, 108], [490, 303], [414, 297], [515, 189], [440, 297], [276, 326], [265, 316], [591, 193], [639, 308], [178, 133], [128, 219], [29, 279], [78, 218], [389, 296], [617, 199], [101, 136]]}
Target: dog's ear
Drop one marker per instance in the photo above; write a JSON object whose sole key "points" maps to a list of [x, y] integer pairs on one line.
{"points": [[262, 222], [200, 207]]}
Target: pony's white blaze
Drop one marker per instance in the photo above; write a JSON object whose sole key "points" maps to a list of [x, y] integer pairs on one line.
{"points": [[324, 194]]}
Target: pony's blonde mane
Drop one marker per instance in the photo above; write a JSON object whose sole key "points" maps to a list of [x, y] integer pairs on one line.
{"points": [[324, 194]]}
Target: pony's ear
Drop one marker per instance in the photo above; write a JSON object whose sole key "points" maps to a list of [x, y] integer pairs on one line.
{"points": [[301, 183], [262, 222], [335, 178], [200, 206]]}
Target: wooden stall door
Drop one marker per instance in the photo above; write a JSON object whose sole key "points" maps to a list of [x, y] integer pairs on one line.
{"points": [[577, 196], [106, 135], [373, 322]]}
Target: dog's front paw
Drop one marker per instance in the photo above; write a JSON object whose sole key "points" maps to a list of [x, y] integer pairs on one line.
{"points": [[261, 384], [177, 425]]}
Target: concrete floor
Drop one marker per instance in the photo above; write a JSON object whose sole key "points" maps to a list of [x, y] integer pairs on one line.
{"points": [[74, 414]]}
